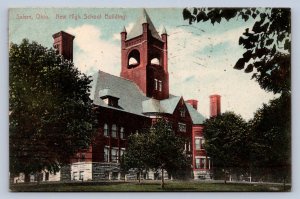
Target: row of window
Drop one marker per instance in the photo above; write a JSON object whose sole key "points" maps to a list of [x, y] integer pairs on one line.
{"points": [[200, 163], [112, 154], [187, 146], [75, 175], [199, 143], [114, 131]]}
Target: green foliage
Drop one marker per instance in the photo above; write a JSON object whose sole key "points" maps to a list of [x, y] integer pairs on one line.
{"points": [[136, 156], [166, 149], [156, 148], [267, 43], [51, 114], [271, 130], [226, 141]]}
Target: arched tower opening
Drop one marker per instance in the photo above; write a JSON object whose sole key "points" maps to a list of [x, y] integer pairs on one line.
{"points": [[155, 61], [133, 59]]}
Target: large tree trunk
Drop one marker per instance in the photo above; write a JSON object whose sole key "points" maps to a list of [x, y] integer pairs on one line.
{"points": [[162, 179]]}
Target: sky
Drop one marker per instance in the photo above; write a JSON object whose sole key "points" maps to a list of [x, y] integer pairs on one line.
{"points": [[41, 32], [201, 55]]}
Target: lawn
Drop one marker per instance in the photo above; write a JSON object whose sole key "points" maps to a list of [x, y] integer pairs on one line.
{"points": [[147, 187]]}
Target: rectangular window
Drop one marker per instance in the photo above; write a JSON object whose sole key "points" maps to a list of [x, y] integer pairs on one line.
{"points": [[106, 154], [114, 155], [202, 163], [74, 175], [106, 131], [182, 112], [122, 132], [122, 152], [197, 161], [197, 143], [160, 85], [155, 84], [114, 131], [81, 173], [202, 143], [181, 127]]}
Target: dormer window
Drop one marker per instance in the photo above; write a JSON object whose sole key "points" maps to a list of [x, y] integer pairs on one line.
{"points": [[109, 98]]}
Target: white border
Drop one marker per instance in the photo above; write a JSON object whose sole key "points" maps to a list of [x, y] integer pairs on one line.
{"points": [[4, 5]]}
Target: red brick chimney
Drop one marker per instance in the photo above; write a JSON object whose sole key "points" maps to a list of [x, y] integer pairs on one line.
{"points": [[215, 105], [63, 42], [193, 103]]}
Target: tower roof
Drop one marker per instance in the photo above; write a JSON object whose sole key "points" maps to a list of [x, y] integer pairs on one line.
{"points": [[164, 31], [124, 29], [137, 29]]}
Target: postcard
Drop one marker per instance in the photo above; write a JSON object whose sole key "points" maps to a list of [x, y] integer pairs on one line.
{"points": [[150, 99]]}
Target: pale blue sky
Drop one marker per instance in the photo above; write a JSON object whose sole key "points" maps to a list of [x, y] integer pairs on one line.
{"points": [[201, 56], [4, 5]]}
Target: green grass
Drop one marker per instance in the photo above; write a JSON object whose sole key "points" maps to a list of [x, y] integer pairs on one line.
{"points": [[146, 187]]}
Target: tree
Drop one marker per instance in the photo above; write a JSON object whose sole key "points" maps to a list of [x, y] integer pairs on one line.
{"points": [[271, 130], [267, 43], [166, 149], [51, 115], [136, 154], [156, 148], [226, 141]]}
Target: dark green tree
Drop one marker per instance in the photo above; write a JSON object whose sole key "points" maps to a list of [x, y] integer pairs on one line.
{"points": [[226, 142], [271, 131], [156, 148], [166, 149], [136, 156], [51, 115], [267, 43]]}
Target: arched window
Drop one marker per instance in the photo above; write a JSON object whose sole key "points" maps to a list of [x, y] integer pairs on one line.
{"points": [[114, 131], [106, 131], [133, 59]]}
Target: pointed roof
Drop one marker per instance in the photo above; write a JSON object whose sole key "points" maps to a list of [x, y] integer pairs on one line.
{"points": [[124, 29], [137, 29], [164, 31]]}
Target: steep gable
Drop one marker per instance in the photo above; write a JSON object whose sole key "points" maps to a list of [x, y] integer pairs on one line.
{"points": [[137, 29]]}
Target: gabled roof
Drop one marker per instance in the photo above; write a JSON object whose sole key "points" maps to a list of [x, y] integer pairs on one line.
{"points": [[132, 99], [137, 29], [197, 117], [162, 106]]}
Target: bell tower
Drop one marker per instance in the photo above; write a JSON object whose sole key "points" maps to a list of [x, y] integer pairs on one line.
{"points": [[144, 58]]}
